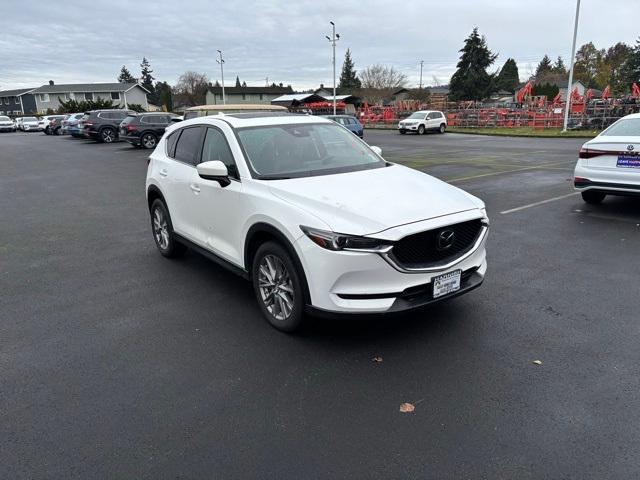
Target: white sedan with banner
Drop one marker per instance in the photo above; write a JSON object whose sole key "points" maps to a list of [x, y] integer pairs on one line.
{"points": [[610, 163]]}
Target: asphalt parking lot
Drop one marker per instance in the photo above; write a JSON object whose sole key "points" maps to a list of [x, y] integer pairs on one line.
{"points": [[118, 363]]}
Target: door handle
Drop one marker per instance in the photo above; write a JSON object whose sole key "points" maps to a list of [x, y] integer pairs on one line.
{"points": [[195, 188], [163, 172]]}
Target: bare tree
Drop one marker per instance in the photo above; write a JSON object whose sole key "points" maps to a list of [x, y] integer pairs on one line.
{"points": [[191, 88], [382, 77]]}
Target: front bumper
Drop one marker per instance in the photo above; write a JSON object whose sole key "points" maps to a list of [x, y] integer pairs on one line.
{"points": [[409, 128], [362, 282]]}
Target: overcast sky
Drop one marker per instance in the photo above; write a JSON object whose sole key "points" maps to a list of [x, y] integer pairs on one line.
{"points": [[79, 41]]}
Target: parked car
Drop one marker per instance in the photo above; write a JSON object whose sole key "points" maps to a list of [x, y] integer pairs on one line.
{"points": [[71, 117], [55, 125], [609, 164], [103, 125], [6, 124], [423, 120], [74, 127], [349, 122], [30, 124], [45, 121], [145, 129], [266, 195]]}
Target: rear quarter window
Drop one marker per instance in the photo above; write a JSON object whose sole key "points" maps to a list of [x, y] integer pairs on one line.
{"points": [[171, 143]]}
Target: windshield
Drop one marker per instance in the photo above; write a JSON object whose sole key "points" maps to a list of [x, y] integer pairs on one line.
{"points": [[4, 119], [629, 127], [417, 115], [29, 119], [303, 150]]}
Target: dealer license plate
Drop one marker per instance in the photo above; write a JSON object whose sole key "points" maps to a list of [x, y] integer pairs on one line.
{"points": [[446, 283], [628, 161]]}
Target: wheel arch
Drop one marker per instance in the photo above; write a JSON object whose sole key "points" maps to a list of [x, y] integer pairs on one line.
{"points": [[260, 233], [154, 193]]}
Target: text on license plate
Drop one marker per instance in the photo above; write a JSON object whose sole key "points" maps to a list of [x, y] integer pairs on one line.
{"points": [[628, 161], [446, 283]]}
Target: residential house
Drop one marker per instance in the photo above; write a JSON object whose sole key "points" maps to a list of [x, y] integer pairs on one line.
{"points": [[17, 102], [122, 94], [245, 95]]}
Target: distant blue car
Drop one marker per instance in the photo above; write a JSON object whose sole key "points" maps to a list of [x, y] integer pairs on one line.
{"points": [[72, 127], [349, 122]]}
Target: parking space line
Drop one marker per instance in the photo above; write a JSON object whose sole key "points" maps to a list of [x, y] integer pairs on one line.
{"points": [[533, 167], [542, 202]]}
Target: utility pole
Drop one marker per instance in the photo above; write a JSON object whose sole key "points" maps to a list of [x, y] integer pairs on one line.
{"points": [[266, 81], [421, 64], [334, 38], [573, 57], [221, 62]]}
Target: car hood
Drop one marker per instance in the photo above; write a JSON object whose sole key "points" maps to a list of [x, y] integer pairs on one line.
{"points": [[370, 201]]}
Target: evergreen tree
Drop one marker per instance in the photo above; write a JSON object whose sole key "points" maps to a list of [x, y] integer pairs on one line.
{"points": [[631, 70], [146, 80], [165, 98], [471, 80], [508, 78], [348, 78], [559, 66], [125, 76], [545, 66], [237, 81]]}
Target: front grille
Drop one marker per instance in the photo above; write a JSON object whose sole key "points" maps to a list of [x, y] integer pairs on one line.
{"points": [[422, 250]]}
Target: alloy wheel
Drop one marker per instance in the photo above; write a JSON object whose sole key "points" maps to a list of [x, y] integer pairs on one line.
{"points": [[276, 287], [149, 141], [160, 229], [107, 135]]}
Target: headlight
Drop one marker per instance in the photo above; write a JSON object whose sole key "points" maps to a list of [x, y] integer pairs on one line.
{"points": [[339, 241]]}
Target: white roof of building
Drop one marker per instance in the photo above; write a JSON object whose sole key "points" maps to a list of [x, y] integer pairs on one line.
{"points": [[293, 97]]}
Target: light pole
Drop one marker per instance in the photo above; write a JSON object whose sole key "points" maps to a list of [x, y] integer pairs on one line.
{"points": [[573, 56], [421, 64], [334, 38], [221, 62]]}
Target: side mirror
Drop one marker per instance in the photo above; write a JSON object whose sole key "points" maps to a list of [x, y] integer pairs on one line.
{"points": [[214, 170], [378, 150]]}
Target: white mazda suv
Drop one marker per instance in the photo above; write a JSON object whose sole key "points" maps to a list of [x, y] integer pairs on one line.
{"points": [[313, 216]]}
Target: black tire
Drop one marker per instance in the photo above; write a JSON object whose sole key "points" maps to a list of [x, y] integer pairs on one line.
{"points": [[148, 141], [442, 128], [47, 131], [166, 242], [290, 278], [421, 130], [402, 132], [593, 197], [107, 135]]}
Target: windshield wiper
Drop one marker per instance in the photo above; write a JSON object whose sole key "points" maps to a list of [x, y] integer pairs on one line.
{"points": [[273, 177]]}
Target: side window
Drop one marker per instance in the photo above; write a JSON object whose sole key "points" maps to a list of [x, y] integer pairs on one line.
{"points": [[171, 143], [216, 148], [189, 145]]}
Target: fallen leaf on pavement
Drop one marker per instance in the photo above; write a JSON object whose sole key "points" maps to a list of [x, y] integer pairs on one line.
{"points": [[538, 362], [407, 408], [377, 359]]}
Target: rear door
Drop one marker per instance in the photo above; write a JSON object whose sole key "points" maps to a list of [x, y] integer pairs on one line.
{"points": [[179, 178]]}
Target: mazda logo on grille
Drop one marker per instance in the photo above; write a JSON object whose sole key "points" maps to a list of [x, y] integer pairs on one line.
{"points": [[445, 239], [630, 148]]}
